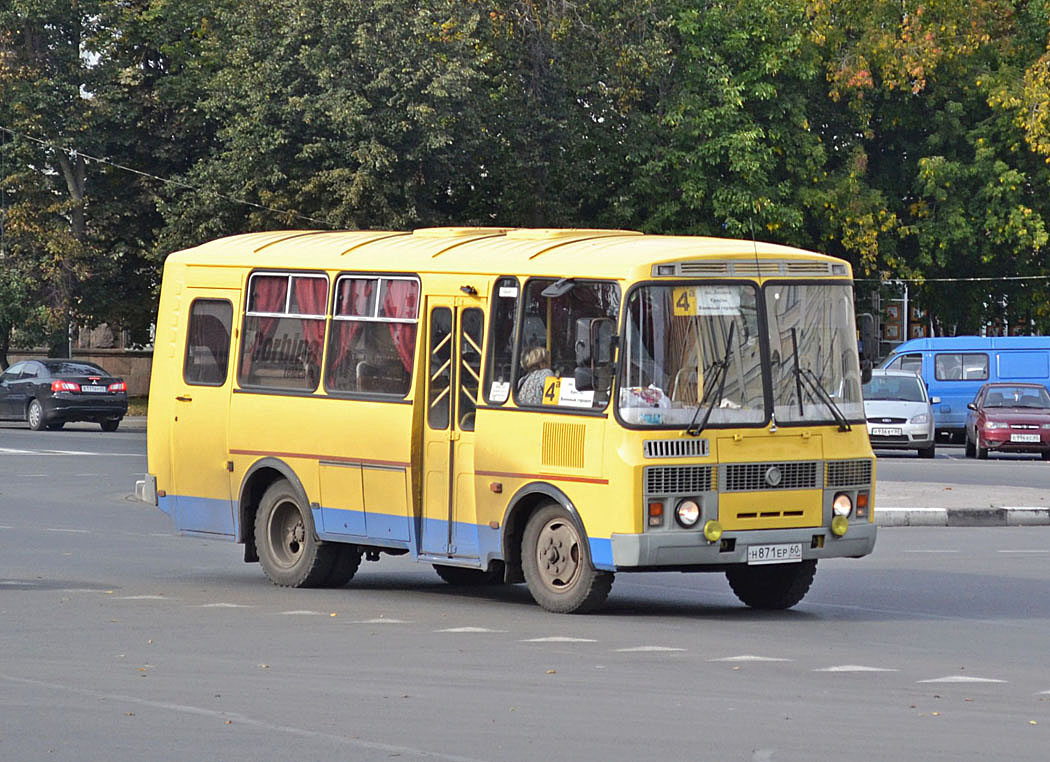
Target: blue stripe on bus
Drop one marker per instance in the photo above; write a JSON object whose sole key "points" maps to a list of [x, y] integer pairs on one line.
{"points": [[213, 516]]}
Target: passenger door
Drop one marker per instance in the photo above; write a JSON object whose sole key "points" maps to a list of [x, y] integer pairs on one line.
{"points": [[455, 328], [200, 452]]}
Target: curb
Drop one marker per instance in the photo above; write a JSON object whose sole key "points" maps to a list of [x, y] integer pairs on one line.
{"points": [[962, 517]]}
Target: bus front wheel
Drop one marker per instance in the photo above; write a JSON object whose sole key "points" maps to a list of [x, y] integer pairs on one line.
{"points": [[557, 567], [776, 586], [289, 552]]}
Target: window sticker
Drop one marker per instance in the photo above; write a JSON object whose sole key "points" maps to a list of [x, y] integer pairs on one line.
{"points": [[499, 391], [708, 300]]}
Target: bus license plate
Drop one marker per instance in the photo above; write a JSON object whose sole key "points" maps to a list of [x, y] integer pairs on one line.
{"points": [[774, 554], [1024, 437], [885, 431]]}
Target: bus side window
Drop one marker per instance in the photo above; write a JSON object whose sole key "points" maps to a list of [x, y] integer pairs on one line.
{"points": [[372, 341], [208, 342], [502, 326], [471, 325], [907, 362]]}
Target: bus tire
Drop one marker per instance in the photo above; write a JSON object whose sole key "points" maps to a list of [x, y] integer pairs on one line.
{"points": [[463, 577], [776, 586], [344, 566], [289, 551], [557, 566]]}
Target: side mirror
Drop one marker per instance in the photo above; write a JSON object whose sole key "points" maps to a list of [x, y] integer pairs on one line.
{"points": [[971, 406], [865, 371], [867, 344], [935, 400]]}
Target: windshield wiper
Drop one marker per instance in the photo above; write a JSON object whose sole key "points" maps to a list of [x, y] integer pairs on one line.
{"points": [[804, 376], [721, 372]]}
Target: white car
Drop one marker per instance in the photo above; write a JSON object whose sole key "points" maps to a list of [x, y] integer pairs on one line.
{"points": [[898, 412]]}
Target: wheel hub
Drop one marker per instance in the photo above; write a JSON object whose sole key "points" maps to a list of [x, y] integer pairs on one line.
{"points": [[558, 553]]}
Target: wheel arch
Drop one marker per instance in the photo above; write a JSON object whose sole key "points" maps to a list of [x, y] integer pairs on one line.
{"points": [[260, 475], [525, 502]]}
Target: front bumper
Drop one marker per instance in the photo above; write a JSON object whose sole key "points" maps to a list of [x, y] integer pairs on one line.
{"points": [[690, 550], [999, 441], [913, 436]]}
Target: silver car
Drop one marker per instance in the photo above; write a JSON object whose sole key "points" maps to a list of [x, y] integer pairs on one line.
{"points": [[898, 411]]}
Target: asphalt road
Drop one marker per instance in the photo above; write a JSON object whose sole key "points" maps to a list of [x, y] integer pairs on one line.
{"points": [[122, 641]]}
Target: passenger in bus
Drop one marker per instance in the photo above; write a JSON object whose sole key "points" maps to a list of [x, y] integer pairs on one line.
{"points": [[537, 366]]}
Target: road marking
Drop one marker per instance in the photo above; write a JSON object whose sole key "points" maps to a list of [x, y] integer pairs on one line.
{"points": [[962, 679], [302, 612], [13, 451], [469, 629], [559, 639], [930, 550], [750, 657], [233, 717], [645, 649], [854, 668], [224, 606], [1023, 551], [385, 620], [67, 531]]}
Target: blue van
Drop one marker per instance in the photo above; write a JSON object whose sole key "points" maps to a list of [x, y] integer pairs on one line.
{"points": [[955, 367]]}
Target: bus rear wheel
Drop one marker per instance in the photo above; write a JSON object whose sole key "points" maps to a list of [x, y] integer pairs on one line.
{"points": [[289, 552], [776, 586], [557, 567]]}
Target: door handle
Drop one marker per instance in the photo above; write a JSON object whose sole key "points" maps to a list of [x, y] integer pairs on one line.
{"points": [[184, 398]]}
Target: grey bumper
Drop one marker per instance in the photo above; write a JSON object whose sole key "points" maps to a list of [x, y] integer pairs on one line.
{"points": [[685, 549]]}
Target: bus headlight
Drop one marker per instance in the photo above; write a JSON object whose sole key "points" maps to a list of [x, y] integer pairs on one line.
{"points": [[712, 531], [843, 505], [687, 513], [839, 526]]}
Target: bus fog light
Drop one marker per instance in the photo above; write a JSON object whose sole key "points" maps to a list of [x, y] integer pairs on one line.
{"points": [[712, 531], [843, 505], [839, 525], [687, 513]]}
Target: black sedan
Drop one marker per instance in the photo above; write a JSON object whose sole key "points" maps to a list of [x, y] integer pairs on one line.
{"points": [[48, 393]]}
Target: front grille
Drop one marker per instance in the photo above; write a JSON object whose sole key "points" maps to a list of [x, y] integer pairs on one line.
{"points": [[848, 473], [889, 439], [887, 420], [679, 480], [675, 448], [749, 477]]}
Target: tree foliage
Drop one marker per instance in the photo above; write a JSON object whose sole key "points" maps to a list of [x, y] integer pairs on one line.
{"points": [[911, 137]]}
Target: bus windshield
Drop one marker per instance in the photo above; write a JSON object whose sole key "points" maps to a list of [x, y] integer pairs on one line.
{"points": [[694, 353], [690, 347]]}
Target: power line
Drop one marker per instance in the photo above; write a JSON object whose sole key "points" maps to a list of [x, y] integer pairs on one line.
{"points": [[166, 180]]}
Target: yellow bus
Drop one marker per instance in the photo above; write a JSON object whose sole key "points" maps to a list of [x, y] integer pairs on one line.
{"points": [[513, 405]]}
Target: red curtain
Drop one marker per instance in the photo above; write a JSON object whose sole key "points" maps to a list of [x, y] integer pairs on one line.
{"points": [[399, 301], [268, 295], [355, 296], [311, 296]]}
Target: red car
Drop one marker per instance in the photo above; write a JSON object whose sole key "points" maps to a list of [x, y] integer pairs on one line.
{"points": [[1009, 418]]}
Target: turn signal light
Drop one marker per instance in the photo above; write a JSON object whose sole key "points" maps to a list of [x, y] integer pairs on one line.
{"points": [[656, 514]]}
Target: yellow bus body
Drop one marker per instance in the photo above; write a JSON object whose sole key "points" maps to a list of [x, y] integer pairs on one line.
{"points": [[375, 477]]}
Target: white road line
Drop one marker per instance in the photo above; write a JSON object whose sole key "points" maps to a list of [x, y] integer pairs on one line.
{"points": [[854, 668], [385, 620], [13, 451], [962, 679], [1023, 551], [930, 550], [302, 612], [224, 606], [749, 657], [469, 629], [559, 639], [67, 531], [647, 649]]}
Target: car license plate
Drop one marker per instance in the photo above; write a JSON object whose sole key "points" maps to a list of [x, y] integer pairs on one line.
{"points": [[93, 389], [885, 431], [1024, 437], [774, 554]]}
